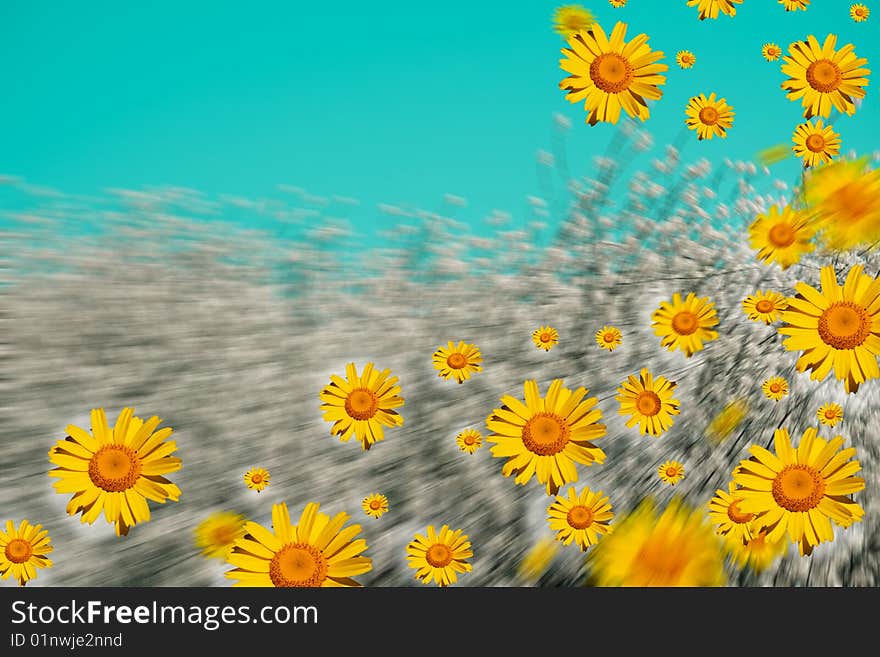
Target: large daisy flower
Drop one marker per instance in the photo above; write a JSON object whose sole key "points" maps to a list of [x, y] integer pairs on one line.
{"points": [[115, 470], [317, 551], [675, 547], [457, 361], [781, 237], [610, 73], [838, 328], [709, 117], [580, 517], [685, 325], [823, 77], [23, 550], [546, 437], [800, 491], [711, 8], [648, 401], [439, 556], [362, 405]]}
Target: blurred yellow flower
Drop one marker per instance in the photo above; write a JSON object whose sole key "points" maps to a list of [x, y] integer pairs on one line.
{"points": [[538, 559], [773, 154], [675, 548], [570, 19], [844, 199], [216, 534], [781, 237], [727, 420], [757, 553]]}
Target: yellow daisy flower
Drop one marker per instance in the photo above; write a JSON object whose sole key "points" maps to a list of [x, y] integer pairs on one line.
{"points": [[708, 117], [570, 19], [773, 155], [537, 560], [844, 198], [800, 491], [316, 552], [610, 74], [457, 361], [859, 12], [830, 414], [648, 401], [775, 388], [794, 5], [256, 479], [362, 405], [617, 3], [771, 52], [838, 328], [757, 553], [675, 548], [375, 505], [23, 550], [581, 517], [216, 534], [727, 420], [724, 513], [115, 470], [685, 325], [439, 556], [671, 472], [545, 337], [781, 237], [546, 437], [711, 8], [685, 59], [469, 440], [815, 143], [764, 306], [608, 337], [823, 77]]}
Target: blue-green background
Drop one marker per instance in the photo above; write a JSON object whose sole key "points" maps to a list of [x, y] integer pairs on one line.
{"points": [[384, 102]]}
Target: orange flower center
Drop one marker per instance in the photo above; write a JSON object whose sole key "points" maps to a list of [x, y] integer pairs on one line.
{"points": [[545, 337], [361, 404], [824, 76], [545, 434], [685, 322], [18, 550], [816, 142], [648, 402], [830, 414], [860, 12], [469, 440], [298, 564], [439, 555], [257, 478], [775, 387], [708, 115], [658, 563], [375, 505], [580, 517], [844, 325], [225, 535], [456, 361], [764, 306], [851, 202], [609, 337], [671, 471], [736, 515], [611, 72], [781, 234], [798, 488], [114, 468]]}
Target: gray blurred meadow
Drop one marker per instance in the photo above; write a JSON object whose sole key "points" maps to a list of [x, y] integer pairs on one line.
{"points": [[229, 335]]}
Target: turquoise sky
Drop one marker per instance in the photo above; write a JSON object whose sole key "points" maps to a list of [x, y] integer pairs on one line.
{"points": [[384, 102]]}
